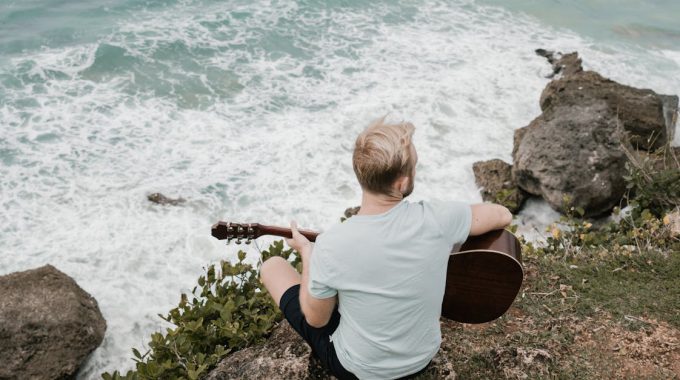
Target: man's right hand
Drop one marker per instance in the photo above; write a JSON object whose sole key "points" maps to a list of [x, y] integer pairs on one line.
{"points": [[299, 242]]}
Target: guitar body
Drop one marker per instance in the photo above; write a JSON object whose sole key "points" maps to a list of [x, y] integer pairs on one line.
{"points": [[483, 279]]}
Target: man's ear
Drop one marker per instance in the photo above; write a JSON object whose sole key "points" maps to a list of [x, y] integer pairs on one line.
{"points": [[403, 184]]}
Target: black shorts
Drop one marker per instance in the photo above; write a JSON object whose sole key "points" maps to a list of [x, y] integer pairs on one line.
{"points": [[319, 338]]}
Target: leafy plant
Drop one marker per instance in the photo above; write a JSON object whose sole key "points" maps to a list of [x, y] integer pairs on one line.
{"points": [[508, 197], [228, 310]]}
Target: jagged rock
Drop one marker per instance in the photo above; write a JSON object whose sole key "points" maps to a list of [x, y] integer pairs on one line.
{"points": [[286, 356], [494, 177], [573, 151], [649, 118], [48, 325], [163, 200], [566, 65]]}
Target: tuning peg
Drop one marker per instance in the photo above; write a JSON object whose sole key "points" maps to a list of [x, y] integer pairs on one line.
{"points": [[248, 241], [238, 241]]}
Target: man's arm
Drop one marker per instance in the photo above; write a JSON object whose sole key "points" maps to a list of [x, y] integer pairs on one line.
{"points": [[317, 311], [487, 217]]}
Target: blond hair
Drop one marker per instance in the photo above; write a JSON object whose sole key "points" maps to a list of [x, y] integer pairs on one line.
{"points": [[382, 154]]}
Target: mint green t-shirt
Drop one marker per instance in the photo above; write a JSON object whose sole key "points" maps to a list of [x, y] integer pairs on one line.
{"points": [[389, 272]]}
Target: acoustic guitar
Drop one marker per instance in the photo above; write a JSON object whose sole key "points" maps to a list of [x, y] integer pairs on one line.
{"points": [[482, 279]]}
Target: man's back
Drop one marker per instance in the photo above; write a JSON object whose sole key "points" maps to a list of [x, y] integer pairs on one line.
{"points": [[389, 273]]}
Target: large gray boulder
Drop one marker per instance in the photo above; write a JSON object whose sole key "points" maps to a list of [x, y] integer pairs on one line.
{"points": [[48, 325], [286, 356], [576, 149], [574, 153]]}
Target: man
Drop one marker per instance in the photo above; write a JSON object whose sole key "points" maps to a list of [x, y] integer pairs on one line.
{"points": [[369, 298]]}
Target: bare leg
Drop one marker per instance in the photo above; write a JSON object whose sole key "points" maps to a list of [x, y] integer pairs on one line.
{"points": [[278, 275]]}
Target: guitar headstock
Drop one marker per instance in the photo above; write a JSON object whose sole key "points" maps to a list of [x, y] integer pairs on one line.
{"points": [[236, 231]]}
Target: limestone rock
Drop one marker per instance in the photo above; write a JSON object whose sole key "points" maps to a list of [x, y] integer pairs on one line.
{"points": [[573, 151], [494, 177], [48, 325], [576, 149], [286, 356]]}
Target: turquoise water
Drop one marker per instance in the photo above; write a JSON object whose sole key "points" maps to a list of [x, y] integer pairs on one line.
{"points": [[650, 23], [30, 24], [249, 111]]}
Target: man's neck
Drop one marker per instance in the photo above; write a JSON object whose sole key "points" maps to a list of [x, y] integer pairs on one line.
{"points": [[374, 204]]}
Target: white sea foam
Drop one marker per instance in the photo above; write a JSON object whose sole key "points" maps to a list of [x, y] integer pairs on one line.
{"points": [[267, 138]]}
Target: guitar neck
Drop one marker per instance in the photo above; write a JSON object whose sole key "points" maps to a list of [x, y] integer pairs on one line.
{"points": [[286, 232]]}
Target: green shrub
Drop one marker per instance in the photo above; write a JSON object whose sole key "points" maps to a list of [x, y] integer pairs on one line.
{"points": [[653, 183], [508, 198], [228, 310]]}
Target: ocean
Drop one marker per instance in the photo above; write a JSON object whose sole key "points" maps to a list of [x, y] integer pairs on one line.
{"points": [[249, 110]]}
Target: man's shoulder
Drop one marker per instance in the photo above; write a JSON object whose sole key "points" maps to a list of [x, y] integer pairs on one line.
{"points": [[338, 231], [438, 206]]}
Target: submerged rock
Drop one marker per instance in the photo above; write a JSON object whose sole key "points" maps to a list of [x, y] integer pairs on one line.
{"points": [[286, 356], [163, 200], [494, 177], [48, 325]]}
